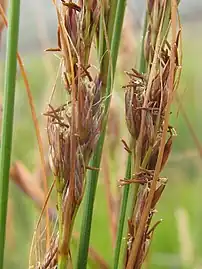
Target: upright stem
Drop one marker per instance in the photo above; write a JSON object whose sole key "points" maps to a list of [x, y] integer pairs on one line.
{"points": [[93, 175], [143, 64], [122, 215], [7, 124], [107, 20]]}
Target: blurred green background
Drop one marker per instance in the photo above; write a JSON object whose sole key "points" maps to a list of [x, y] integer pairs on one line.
{"points": [[177, 240]]}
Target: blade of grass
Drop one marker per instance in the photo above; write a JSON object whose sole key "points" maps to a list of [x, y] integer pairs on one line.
{"points": [[36, 125], [122, 215], [93, 175], [143, 64], [109, 195], [3, 4], [88, 207], [7, 124], [105, 40]]}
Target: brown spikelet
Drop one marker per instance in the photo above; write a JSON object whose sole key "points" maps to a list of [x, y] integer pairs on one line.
{"points": [[134, 97], [167, 150], [158, 192]]}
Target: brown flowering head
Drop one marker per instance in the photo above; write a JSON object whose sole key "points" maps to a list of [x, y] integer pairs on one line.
{"points": [[77, 24], [90, 108], [88, 117], [58, 128], [158, 192], [71, 13], [88, 127], [134, 98]]}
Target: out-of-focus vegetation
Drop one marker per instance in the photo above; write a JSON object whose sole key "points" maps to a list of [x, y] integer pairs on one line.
{"points": [[176, 242]]}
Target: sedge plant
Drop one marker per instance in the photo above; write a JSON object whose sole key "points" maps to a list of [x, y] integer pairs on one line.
{"points": [[126, 188], [7, 121], [148, 98], [75, 126]]}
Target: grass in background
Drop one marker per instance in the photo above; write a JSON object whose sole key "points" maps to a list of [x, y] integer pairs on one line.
{"points": [[7, 118]]}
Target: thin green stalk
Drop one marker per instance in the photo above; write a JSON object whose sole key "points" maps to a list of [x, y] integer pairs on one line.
{"points": [[88, 208], [100, 43], [122, 215], [7, 124], [60, 187], [143, 65], [124, 201], [93, 175], [107, 20]]}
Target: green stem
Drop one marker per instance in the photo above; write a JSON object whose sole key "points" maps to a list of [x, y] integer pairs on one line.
{"points": [[59, 206], [93, 175], [67, 228], [143, 64], [100, 45], [7, 124], [107, 20], [88, 208], [122, 215]]}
